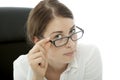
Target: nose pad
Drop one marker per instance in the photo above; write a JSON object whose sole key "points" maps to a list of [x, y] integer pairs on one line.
{"points": [[70, 43]]}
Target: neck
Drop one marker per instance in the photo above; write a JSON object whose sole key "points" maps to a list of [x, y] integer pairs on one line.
{"points": [[54, 72], [57, 68]]}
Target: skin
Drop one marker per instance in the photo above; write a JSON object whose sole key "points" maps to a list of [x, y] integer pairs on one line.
{"points": [[49, 61]]}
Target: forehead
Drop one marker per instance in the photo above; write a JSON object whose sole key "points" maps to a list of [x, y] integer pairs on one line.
{"points": [[59, 24]]}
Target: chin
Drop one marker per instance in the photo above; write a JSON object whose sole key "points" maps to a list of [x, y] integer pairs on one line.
{"points": [[68, 59]]}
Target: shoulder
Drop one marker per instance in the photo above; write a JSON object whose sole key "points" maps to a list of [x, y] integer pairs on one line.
{"points": [[87, 51], [88, 56], [21, 63], [21, 59]]}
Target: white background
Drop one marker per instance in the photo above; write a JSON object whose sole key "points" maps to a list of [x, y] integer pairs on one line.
{"points": [[101, 21]]}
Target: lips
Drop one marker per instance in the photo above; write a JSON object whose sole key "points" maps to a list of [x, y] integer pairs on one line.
{"points": [[69, 53]]}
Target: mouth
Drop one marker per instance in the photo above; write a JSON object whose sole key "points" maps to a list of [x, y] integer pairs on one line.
{"points": [[69, 53]]}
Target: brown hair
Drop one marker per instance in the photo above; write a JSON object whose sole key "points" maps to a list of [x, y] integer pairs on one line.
{"points": [[42, 14]]}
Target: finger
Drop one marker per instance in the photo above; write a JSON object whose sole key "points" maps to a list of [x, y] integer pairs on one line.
{"points": [[35, 62], [40, 62], [37, 49], [43, 42], [37, 55], [34, 49], [45, 45], [42, 49], [38, 45]]}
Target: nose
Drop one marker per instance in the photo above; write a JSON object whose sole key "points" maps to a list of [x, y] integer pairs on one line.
{"points": [[70, 43]]}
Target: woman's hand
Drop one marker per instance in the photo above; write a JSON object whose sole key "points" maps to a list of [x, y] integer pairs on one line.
{"points": [[37, 58]]}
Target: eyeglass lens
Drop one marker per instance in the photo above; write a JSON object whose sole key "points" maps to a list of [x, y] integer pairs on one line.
{"points": [[74, 37]]}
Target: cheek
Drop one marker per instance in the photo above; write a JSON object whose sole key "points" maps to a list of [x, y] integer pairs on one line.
{"points": [[53, 53]]}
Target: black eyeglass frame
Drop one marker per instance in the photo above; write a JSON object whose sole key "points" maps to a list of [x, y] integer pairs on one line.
{"points": [[68, 37]]}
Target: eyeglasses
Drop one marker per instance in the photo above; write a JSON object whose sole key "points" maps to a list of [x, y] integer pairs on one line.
{"points": [[78, 34]]}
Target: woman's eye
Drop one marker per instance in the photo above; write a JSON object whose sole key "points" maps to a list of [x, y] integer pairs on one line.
{"points": [[72, 31], [58, 36]]}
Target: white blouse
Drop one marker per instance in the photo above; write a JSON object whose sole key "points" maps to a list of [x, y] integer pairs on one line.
{"points": [[86, 65]]}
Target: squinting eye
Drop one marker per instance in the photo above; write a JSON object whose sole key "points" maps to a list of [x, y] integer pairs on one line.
{"points": [[58, 36]]}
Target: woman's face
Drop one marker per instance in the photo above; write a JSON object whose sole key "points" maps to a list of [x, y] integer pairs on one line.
{"points": [[60, 27]]}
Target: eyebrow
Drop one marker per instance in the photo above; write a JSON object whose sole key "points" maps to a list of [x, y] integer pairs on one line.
{"points": [[62, 31]]}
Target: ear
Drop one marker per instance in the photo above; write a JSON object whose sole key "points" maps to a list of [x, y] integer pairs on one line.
{"points": [[35, 39]]}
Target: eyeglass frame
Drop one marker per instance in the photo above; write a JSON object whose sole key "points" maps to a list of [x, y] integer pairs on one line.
{"points": [[68, 37]]}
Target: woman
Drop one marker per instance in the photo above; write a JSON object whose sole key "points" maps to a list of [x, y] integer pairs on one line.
{"points": [[55, 54]]}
